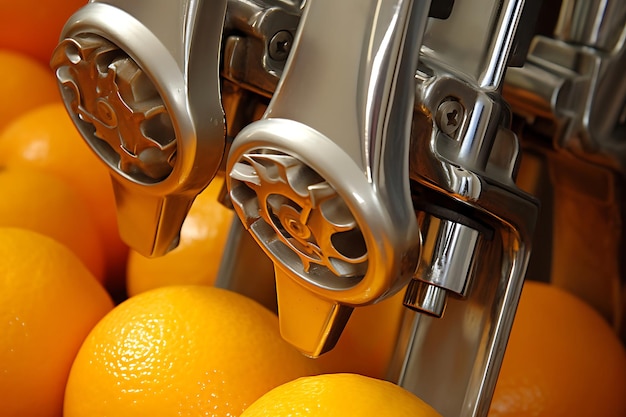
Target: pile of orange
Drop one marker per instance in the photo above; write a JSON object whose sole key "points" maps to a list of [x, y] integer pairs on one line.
{"points": [[34, 29], [338, 395], [181, 351], [90, 327], [49, 301], [563, 359]]}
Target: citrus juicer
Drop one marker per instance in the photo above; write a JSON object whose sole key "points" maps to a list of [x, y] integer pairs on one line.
{"points": [[141, 83], [475, 225], [367, 150], [321, 181]]}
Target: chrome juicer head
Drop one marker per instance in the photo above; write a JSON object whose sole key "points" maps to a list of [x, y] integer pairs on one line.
{"points": [[321, 181], [144, 91], [368, 152]]}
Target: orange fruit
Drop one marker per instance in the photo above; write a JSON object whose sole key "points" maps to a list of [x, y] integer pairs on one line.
{"points": [[339, 395], [562, 359], [45, 138], [48, 303], [24, 84], [367, 343], [34, 28], [196, 260], [184, 351], [43, 203]]}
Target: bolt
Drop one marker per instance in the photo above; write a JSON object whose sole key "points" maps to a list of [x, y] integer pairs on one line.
{"points": [[450, 116], [280, 45]]}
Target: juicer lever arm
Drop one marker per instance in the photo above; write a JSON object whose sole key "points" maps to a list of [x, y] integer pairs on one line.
{"points": [[322, 180], [144, 91]]}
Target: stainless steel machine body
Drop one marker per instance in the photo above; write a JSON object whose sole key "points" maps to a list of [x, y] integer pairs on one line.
{"points": [[371, 147]]}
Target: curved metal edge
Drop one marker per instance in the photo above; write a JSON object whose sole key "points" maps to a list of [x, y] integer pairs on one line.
{"points": [[390, 240], [174, 84]]}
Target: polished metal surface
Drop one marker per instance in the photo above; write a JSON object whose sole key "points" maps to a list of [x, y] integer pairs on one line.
{"points": [[370, 150], [445, 240], [111, 95], [477, 225], [574, 94], [476, 40], [305, 215], [570, 99], [596, 23], [426, 298], [257, 38], [145, 93], [319, 182]]}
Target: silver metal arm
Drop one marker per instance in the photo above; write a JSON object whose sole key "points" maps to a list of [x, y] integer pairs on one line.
{"points": [[477, 225], [384, 158], [322, 181], [141, 81]]}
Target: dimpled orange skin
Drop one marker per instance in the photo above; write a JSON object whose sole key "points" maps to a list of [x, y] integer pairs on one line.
{"points": [[46, 138], [48, 303], [24, 84], [339, 395], [41, 202], [562, 359], [184, 351]]}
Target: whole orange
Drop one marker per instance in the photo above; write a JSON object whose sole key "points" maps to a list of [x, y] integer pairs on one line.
{"points": [[48, 303], [339, 395], [45, 138], [562, 359], [367, 344], [31, 199], [183, 351], [196, 260], [24, 84], [34, 29]]}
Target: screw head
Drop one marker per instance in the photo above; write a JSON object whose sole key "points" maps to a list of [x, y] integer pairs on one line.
{"points": [[280, 45], [450, 116]]}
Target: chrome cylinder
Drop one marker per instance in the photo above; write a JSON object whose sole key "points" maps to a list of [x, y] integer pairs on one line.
{"points": [[368, 150]]}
